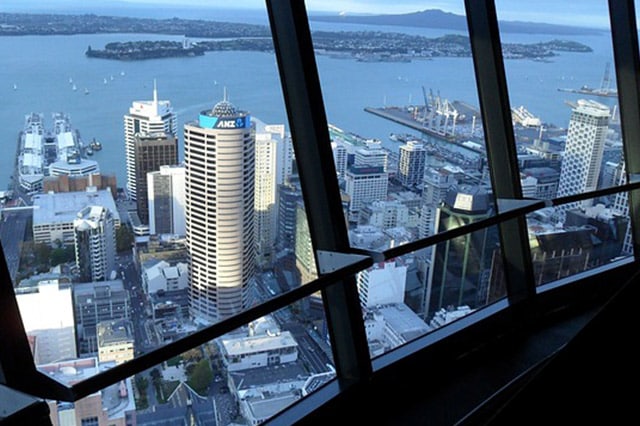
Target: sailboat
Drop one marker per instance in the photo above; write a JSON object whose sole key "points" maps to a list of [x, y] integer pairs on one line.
{"points": [[74, 88], [86, 91], [15, 86]]}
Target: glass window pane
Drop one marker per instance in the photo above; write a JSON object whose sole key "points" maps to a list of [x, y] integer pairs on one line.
{"points": [[150, 175], [567, 129], [408, 144]]}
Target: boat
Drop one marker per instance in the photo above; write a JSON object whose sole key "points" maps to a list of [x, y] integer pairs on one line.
{"points": [[15, 87], [70, 80], [49, 151], [86, 91], [74, 88], [104, 81], [88, 151], [121, 72], [95, 145]]}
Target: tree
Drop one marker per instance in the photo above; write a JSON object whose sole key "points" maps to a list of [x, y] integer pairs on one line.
{"points": [[124, 238], [201, 377]]}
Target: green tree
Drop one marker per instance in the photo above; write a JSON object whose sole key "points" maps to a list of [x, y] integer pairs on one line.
{"points": [[201, 377], [124, 238], [62, 255]]}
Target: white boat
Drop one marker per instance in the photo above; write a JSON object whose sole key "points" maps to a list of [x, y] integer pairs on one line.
{"points": [[15, 86], [104, 81], [74, 88], [86, 91], [121, 72]]}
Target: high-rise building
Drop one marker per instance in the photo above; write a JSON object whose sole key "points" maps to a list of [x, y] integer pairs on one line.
{"points": [[145, 117], [413, 158], [365, 184], [167, 203], [47, 315], [461, 265], [289, 194], [220, 166], [273, 164], [151, 151], [95, 243], [583, 151]]}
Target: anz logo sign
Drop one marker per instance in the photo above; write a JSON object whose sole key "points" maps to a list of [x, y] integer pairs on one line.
{"points": [[236, 123]]}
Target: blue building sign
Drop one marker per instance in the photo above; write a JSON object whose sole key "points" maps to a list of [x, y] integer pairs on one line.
{"points": [[211, 122]]}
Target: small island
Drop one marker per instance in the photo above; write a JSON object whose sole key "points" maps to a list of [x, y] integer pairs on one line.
{"points": [[131, 51]]}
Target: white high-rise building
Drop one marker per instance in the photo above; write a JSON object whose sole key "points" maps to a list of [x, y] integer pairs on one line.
{"points": [[340, 155], [95, 243], [220, 166], [384, 283], [413, 159], [167, 200], [47, 316], [583, 151], [145, 118], [273, 163]]}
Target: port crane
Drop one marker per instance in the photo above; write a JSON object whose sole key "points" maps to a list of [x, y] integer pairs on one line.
{"points": [[440, 115]]}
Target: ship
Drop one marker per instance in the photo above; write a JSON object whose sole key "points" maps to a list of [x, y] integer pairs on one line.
{"points": [[46, 152], [604, 90], [524, 118]]}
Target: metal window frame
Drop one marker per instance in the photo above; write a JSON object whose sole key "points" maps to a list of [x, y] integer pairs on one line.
{"points": [[624, 36], [320, 190], [303, 97], [493, 95]]}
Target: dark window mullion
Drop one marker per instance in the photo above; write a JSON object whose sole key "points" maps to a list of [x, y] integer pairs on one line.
{"points": [[486, 49], [627, 59], [321, 193]]}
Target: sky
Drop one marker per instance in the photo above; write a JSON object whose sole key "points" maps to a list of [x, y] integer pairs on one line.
{"points": [[591, 13]]}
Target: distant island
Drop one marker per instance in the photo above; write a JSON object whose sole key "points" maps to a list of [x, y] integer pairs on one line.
{"points": [[366, 46], [438, 19]]}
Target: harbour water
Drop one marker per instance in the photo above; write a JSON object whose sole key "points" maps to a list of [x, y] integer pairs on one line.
{"points": [[36, 74]]}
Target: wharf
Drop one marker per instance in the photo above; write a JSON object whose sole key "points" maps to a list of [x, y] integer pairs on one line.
{"points": [[404, 117]]}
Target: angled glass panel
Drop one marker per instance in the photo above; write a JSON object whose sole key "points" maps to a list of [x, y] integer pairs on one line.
{"points": [[407, 137], [566, 124], [149, 186]]}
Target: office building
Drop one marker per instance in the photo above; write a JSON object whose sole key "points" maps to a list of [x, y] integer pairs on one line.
{"points": [[151, 151], [95, 243], [94, 303], [365, 184], [273, 162], [413, 159], [220, 168], [115, 341], [146, 118], [582, 156], [47, 314], [54, 213], [460, 266], [167, 200]]}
